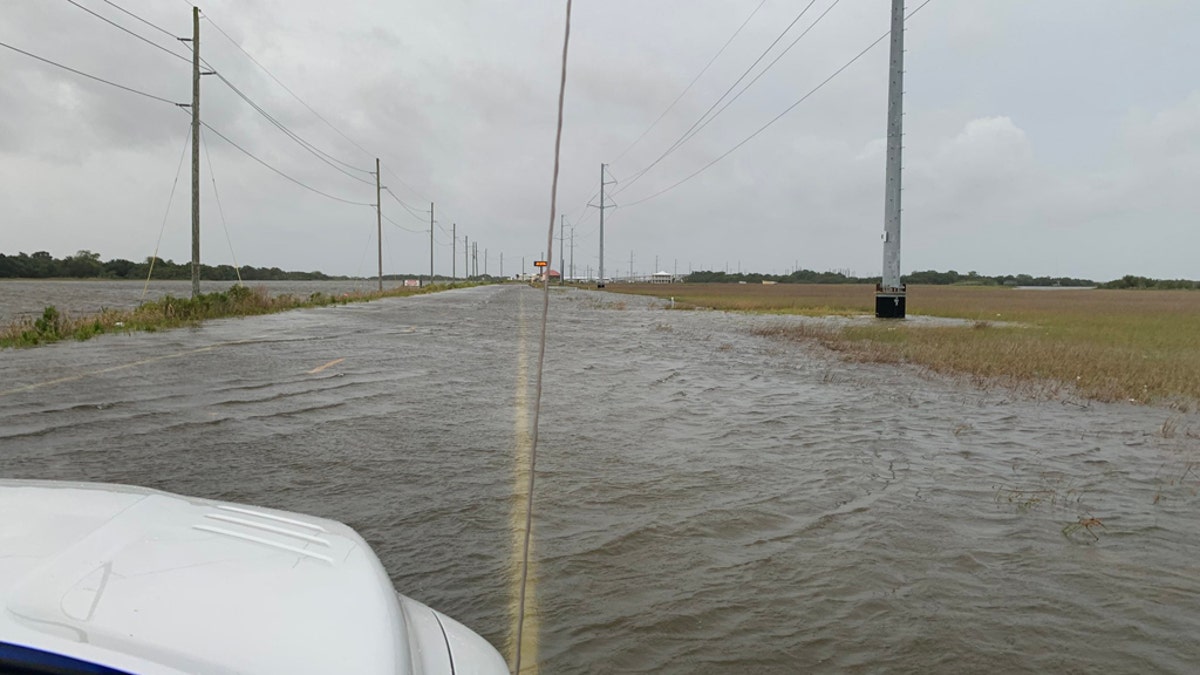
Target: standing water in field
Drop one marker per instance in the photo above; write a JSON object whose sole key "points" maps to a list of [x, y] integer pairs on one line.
{"points": [[708, 500]]}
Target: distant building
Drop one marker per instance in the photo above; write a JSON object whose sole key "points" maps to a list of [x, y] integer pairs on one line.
{"points": [[662, 278]]}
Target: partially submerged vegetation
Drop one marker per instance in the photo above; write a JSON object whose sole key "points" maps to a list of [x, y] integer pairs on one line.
{"points": [[1103, 344], [172, 312]]}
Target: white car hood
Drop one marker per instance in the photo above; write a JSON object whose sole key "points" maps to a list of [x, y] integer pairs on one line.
{"points": [[152, 582]]}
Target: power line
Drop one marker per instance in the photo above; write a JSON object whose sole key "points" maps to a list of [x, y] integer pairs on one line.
{"points": [[297, 182], [91, 77], [686, 134], [398, 225], [690, 84], [411, 211], [405, 184], [315, 151], [763, 71], [155, 27], [780, 115], [126, 30], [285, 87], [311, 109]]}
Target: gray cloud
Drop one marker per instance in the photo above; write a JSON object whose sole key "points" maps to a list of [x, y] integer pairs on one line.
{"points": [[1048, 139]]}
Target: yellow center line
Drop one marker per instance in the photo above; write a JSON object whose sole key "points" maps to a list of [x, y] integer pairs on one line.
{"points": [[524, 445], [113, 369], [318, 369]]}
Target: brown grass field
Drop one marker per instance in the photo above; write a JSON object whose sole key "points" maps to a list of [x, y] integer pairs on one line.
{"points": [[1106, 345]]}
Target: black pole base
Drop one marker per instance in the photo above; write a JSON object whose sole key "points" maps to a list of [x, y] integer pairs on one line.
{"points": [[890, 302]]}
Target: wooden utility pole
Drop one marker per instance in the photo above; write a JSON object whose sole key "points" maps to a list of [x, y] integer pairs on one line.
{"points": [[195, 151], [453, 251], [379, 221], [562, 240], [466, 256], [430, 243], [572, 251]]}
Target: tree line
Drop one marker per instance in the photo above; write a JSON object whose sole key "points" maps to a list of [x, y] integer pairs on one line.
{"points": [[935, 278], [87, 265]]}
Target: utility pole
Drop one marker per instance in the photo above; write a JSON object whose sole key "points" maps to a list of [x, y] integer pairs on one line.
{"points": [[379, 222], [501, 264], [890, 294], [430, 243], [562, 239], [630, 265], [453, 251], [600, 283], [572, 251], [466, 256], [195, 151], [485, 262]]}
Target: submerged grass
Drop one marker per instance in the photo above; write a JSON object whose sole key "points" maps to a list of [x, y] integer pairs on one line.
{"points": [[1104, 344], [171, 312]]}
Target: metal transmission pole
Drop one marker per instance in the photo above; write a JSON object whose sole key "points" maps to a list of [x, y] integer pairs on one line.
{"points": [[453, 251], [501, 264], [430, 243], [379, 221], [890, 294], [485, 262], [602, 206], [466, 256], [195, 151], [572, 251], [562, 240]]}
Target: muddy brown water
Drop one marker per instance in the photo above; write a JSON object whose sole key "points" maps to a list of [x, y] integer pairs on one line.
{"points": [[708, 500]]}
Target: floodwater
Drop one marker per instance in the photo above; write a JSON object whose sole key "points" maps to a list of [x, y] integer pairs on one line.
{"points": [[708, 500], [20, 298]]}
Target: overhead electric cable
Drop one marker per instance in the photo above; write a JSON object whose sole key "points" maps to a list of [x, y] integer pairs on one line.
{"points": [[312, 110], [762, 72], [154, 26], [780, 115], [312, 149], [90, 77], [269, 73], [398, 225], [297, 182], [405, 184], [122, 28], [686, 134], [411, 211], [690, 84]]}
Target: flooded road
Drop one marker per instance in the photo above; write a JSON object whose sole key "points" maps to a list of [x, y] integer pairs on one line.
{"points": [[708, 500]]}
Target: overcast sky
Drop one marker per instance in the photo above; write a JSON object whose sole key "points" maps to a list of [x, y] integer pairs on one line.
{"points": [[1049, 137]]}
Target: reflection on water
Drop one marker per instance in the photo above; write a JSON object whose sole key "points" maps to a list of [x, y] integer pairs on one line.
{"points": [[709, 500]]}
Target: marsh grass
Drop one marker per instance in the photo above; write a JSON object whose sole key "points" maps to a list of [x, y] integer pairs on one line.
{"points": [[1107, 345], [171, 312]]}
